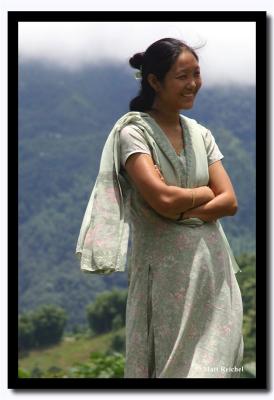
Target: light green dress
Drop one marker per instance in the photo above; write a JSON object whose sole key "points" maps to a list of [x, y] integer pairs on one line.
{"points": [[184, 308]]}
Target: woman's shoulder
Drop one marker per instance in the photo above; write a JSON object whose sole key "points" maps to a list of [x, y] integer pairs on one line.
{"points": [[133, 118], [129, 129], [194, 123], [130, 116]]}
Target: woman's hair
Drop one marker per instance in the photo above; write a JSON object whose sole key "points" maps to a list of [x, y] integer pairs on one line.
{"points": [[157, 59]]}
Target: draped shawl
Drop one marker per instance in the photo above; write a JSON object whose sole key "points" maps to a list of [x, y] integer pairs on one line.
{"points": [[102, 243]]}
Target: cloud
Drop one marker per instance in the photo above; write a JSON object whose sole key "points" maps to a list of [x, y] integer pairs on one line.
{"points": [[227, 56]]}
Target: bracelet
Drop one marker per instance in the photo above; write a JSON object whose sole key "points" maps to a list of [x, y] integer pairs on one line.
{"points": [[192, 206]]}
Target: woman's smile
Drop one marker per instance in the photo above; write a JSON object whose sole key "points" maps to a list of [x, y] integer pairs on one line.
{"points": [[189, 95]]}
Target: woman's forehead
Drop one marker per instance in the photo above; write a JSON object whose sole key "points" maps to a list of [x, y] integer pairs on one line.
{"points": [[185, 61]]}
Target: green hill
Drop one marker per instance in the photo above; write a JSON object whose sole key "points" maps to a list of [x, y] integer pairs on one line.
{"points": [[64, 355]]}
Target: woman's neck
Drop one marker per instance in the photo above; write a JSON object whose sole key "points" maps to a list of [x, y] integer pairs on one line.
{"points": [[165, 116]]}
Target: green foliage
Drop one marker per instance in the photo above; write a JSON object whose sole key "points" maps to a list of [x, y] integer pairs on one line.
{"points": [[53, 372], [23, 373], [26, 337], [100, 366], [247, 283], [49, 323], [36, 372], [118, 342], [118, 321], [42, 327], [65, 353], [250, 370], [108, 311]]}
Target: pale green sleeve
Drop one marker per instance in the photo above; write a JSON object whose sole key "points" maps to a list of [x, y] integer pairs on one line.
{"points": [[131, 142], [212, 149]]}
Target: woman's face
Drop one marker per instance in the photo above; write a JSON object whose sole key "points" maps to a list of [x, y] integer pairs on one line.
{"points": [[181, 83]]}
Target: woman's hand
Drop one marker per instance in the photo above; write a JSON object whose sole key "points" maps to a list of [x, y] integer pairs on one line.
{"points": [[203, 191]]}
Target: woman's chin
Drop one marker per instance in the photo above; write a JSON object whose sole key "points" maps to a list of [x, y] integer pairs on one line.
{"points": [[187, 106]]}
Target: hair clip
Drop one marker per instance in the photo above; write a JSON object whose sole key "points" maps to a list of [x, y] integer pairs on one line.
{"points": [[138, 74]]}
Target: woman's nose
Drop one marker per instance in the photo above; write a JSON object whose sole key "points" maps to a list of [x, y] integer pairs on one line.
{"points": [[192, 83]]}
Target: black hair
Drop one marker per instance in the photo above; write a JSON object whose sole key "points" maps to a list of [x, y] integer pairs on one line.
{"points": [[157, 59]]}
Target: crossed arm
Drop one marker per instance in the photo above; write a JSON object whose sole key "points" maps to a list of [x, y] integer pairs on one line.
{"points": [[214, 201], [224, 202]]}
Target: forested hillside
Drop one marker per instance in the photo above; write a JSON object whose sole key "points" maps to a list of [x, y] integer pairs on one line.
{"points": [[64, 119]]}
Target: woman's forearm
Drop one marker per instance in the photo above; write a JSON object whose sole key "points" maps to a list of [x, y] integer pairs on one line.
{"points": [[208, 207], [178, 200], [222, 205]]}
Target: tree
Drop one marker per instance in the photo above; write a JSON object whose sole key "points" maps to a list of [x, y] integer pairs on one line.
{"points": [[108, 311], [26, 338], [118, 342], [247, 284], [49, 322]]}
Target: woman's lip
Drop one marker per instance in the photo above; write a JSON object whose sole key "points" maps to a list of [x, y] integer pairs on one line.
{"points": [[189, 95]]}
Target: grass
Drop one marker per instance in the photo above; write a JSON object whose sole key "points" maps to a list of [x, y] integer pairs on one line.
{"points": [[67, 353]]}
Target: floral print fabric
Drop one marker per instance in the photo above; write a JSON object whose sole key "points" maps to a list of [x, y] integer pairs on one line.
{"points": [[184, 307]]}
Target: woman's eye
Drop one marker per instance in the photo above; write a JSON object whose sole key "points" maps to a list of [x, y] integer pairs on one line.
{"points": [[196, 74]]}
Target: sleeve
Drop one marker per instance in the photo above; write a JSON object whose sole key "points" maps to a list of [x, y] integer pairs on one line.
{"points": [[131, 142], [212, 149]]}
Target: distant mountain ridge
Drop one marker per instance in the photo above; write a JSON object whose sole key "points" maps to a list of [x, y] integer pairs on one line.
{"points": [[64, 119]]}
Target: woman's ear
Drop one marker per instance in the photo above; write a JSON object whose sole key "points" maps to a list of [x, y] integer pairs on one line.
{"points": [[153, 81]]}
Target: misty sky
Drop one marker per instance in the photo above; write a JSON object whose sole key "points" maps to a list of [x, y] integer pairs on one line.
{"points": [[228, 54]]}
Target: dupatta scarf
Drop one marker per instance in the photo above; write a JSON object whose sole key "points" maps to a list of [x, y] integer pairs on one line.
{"points": [[102, 243]]}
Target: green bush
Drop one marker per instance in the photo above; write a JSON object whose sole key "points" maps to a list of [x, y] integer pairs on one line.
{"points": [[26, 337], [118, 342], [108, 311], [247, 284], [41, 327], [100, 365], [23, 373]]}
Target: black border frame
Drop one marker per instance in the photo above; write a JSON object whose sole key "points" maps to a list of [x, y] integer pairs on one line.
{"points": [[260, 18]]}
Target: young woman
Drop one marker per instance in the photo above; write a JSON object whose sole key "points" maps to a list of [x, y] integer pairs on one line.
{"points": [[184, 307]]}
